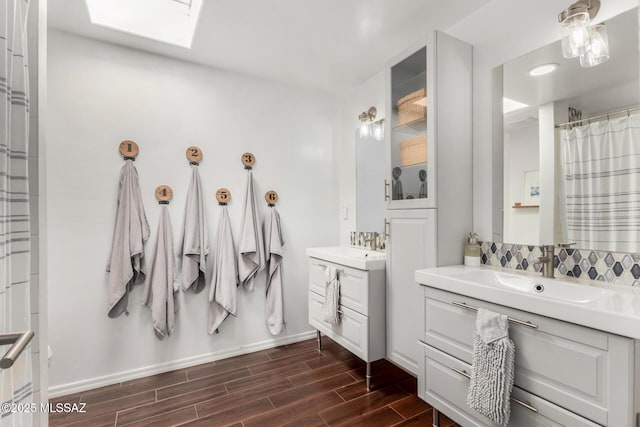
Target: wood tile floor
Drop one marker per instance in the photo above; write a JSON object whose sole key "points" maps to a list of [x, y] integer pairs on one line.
{"points": [[293, 385]]}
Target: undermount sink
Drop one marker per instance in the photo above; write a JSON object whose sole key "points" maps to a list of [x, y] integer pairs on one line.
{"points": [[538, 286], [362, 259], [612, 308]]}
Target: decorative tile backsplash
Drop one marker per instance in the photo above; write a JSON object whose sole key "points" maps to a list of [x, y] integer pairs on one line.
{"points": [[363, 239], [613, 267]]}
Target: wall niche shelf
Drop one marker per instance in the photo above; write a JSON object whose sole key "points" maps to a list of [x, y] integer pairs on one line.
{"points": [[519, 205]]}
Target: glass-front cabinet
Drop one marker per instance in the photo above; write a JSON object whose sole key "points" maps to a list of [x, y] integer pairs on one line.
{"points": [[407, 183]]}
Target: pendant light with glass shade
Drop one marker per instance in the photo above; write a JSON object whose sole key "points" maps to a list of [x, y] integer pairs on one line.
{"points": [[579, 37]]}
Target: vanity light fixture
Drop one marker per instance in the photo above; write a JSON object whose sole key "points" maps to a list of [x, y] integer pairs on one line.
{"points": [[168, 21], [370, 126], [579, 38], [543, 69]]}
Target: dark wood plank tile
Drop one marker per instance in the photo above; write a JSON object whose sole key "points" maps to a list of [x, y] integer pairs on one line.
{"points": [[299, 410], [173, 418], [289, 349], [107, 407], [340, 414], [422, 420], [204, 382], [410, 406], [257, 380], [410, 385], [310, 421], [69, 398], [134, 387], [383, 373], [132, 415], [308, 390], [219, 366], [324, 372], [234, 415], [106, 420], [330, 357], [284, 361], [381, 418], [353, 391], [219, 404]]}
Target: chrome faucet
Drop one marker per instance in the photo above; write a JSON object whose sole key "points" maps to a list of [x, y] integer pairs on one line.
{"points": [[547, 261], [373, 239]]}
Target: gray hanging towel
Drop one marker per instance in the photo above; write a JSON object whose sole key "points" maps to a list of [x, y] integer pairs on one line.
{"points": [[131, 231], [492, 369], [194, 246], [161, 290], [224, 285], [251, 244], [274, 244]]}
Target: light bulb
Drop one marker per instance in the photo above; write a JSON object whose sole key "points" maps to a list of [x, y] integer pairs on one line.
{"points": [[599, 51], [378, 131], [575, 35], [364, 130]]}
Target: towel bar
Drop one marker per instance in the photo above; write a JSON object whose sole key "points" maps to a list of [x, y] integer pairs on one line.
{"points": [[513, 399], [510, 319], [19, 342], [339, 270]]}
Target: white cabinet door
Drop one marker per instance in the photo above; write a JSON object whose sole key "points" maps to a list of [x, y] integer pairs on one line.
{"points": [[411, 245]]}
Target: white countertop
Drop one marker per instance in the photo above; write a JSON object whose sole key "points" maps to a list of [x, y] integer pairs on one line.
{"points": [[362, 259], [610, 308]]}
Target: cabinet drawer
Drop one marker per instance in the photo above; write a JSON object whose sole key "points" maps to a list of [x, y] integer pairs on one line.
{"points": [[354, 284], [445, 384], [578, 368], [351, 332]]}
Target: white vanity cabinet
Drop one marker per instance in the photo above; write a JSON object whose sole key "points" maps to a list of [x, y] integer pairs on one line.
{"points": [[566, 374], [362, 309]]}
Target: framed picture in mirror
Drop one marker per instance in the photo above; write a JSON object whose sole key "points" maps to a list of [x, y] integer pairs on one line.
{"points": [[531, 195]]}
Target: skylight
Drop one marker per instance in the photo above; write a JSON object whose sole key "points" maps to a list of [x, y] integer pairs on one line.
{"points": [[167, 21], [509, 105]]}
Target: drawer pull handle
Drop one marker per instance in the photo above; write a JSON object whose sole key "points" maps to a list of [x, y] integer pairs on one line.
{"points": [[510, 319], [513, 399], [339, 270]]}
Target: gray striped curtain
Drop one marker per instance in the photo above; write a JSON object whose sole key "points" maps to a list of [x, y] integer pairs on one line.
{"points": [[14, 203], [600, 164]]}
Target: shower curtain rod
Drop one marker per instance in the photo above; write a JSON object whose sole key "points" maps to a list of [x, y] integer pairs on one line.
{"points": [[602, 116]]}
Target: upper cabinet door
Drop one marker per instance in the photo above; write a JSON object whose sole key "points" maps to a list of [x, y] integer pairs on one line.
{"points": [[410, 175]]}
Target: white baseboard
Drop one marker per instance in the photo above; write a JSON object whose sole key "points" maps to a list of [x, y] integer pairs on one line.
{"points": [[119, 377]]}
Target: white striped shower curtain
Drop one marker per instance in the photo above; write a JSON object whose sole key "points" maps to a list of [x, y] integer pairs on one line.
{"points": [[600, 185], [15, 382]]}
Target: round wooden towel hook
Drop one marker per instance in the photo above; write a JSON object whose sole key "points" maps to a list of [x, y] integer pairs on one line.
{"points": [[129, 149], [271, 197], [223, 196], [194, 155], [248, 160], [164, 193]]}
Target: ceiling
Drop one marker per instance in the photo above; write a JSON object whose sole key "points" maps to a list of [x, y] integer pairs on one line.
{"points": [[330, 45], [595, 90]]}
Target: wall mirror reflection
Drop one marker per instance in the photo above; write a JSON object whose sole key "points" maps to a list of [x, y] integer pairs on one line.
{"points": [[571, 145], [370, 174]]}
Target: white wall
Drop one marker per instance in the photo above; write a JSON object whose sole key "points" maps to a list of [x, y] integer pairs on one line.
{"points": [[100, 94], [521, 148], [354, 102], [501, 31]]}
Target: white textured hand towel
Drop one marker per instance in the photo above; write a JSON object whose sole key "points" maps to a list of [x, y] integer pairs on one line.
{"points": [[194, 247], [224, 286], [274, 245], [492, 368], [161, 290], [131, 231], [251, 244], [331, 296]]}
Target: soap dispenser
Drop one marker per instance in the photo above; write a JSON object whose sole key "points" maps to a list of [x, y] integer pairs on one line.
{"points": [[472, 251]]}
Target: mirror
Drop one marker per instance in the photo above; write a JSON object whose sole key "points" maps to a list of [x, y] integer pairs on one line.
{"points": [[545, 199], [370, 173]]}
